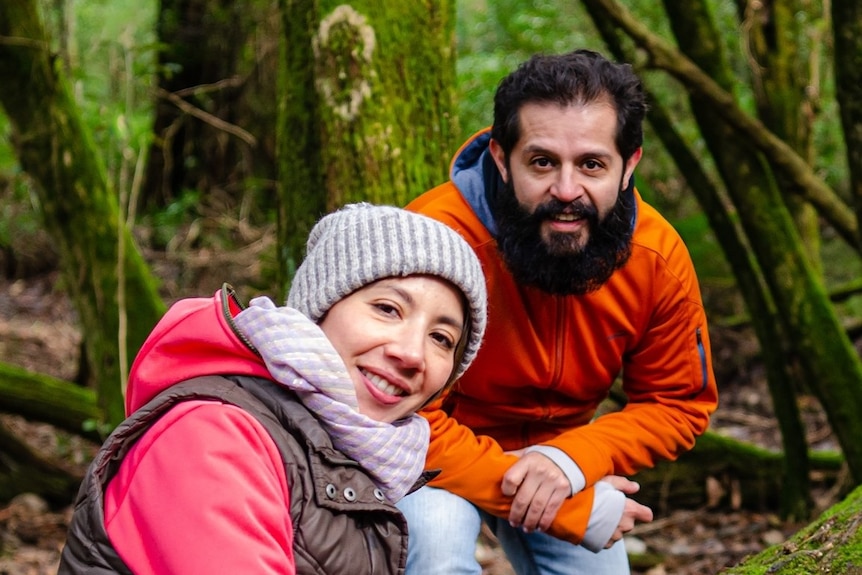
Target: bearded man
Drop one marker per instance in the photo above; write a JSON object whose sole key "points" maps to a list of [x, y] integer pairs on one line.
{"points": [[587, 283]]}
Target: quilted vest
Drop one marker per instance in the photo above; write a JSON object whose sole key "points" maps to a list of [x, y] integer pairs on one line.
{"points": [[342, 523]]}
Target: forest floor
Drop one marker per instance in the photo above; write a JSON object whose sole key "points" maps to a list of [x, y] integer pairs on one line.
{"points": [[38, 331]]}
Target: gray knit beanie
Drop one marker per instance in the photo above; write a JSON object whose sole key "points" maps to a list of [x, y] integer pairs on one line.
{"points": [[362, 243]]}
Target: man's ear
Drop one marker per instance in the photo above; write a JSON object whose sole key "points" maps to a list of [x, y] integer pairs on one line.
{"points": [[499, 158], [631, 163]]}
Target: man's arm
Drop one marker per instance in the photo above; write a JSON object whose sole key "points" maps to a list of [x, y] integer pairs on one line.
{"points": [[474, 467], [671, 394]]}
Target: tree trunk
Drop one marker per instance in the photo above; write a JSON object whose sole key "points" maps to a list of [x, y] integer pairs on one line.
{"points": [[830, 363], [77, 206], [784, 56], [847, 33], [742, 168], [215, 89], [366, 108], [795, 495]]}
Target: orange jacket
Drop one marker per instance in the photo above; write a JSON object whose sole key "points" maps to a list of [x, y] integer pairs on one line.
{"points": [[548, 361]]}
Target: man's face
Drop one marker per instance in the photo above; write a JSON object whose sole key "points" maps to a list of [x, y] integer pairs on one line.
{"points": [[563, 225]]}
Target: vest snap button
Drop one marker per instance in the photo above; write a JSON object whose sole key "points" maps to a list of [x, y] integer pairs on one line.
{"points": [[349, 494], [330, 491], [378, 494]]}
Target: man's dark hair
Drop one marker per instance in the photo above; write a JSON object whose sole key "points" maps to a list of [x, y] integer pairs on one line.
{"points": [[578, 77]]}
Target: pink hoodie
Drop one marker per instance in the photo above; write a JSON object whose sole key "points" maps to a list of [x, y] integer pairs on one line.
{"points": [[203, 490]]}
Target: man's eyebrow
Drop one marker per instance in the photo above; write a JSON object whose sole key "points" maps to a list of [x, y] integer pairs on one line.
{"points": [[537, 149]]}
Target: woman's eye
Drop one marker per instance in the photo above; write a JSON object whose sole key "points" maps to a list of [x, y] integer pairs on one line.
{"points": [[386, 308], [443, 340]]}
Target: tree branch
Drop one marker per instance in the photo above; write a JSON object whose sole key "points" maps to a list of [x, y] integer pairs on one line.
{"points": [[663, 56]]}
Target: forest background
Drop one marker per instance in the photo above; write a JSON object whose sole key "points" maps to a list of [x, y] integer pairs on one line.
{"points": [[134, 131]]}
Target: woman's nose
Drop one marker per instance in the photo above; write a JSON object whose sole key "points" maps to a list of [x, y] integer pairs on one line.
{"points": [[409, 348]]}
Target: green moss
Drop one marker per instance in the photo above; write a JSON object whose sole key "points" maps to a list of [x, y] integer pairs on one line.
{"points": [[832, 544]]}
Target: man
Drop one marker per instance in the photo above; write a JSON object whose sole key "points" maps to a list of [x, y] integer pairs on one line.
{"points": [[586, 282]]}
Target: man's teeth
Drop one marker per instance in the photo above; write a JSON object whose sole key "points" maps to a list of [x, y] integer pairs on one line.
{"points": [[383, 385], [566, 217]]}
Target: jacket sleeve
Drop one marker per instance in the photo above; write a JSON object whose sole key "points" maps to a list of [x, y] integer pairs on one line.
{"points": [[203, 491], [473, 467]]}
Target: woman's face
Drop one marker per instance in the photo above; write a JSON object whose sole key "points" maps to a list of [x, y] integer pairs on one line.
{"points": [[397, 337]]}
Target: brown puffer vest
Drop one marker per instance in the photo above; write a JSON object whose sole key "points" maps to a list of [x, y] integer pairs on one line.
{"points": [[342, 523]]}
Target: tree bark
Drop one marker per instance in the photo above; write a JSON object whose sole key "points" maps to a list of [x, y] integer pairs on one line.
{"points": [[847, 34], [215, 88], [78, 208], [784, 56], [367, 95]]}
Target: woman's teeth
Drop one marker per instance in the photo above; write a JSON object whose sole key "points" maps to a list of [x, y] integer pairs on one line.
{"points": [[383, 385]]}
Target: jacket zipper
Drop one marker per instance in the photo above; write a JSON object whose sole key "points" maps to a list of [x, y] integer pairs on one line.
{"points": [[702, 352]]}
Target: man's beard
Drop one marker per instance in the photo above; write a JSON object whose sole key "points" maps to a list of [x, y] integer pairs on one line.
{"points": [[559, 266]]}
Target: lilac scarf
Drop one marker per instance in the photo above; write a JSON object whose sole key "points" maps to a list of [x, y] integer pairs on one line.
{"points": [[301, 358]]}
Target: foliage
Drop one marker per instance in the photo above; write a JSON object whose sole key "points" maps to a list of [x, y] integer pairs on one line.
{"points": [[493, 37]]}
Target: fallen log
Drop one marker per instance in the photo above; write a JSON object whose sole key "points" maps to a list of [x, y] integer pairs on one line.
{"points": [[721, 471], [43, 398]]}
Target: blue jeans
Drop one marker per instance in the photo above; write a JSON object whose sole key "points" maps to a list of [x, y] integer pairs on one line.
{"points": [[443, 530]]}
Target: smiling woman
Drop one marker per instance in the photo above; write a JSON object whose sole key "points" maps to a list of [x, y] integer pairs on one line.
{"points": [[287, 424], [398, 338]]}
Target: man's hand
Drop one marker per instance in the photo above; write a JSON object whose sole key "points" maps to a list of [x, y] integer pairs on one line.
{"points": [[633, 510], [539, 488]]}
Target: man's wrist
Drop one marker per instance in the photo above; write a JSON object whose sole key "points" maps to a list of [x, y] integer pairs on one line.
{"points": [[566, 464]]}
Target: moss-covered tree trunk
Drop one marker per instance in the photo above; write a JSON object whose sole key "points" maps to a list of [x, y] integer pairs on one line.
{"points": [[827, 358], [742, 168], [365, 108], [786, 40], [79, 209], [847, 33]]}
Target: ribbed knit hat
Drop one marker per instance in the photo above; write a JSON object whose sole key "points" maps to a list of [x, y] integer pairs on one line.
{"points": [[362, 243]]}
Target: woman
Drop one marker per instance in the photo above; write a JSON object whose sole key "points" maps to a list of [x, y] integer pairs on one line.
{"points": [[277, 440]]}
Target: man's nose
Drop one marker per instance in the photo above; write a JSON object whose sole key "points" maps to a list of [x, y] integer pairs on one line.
{"points": [[568, 186]]}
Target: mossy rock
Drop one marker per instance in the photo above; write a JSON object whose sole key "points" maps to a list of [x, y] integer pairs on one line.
{"points": [[832, 544]]}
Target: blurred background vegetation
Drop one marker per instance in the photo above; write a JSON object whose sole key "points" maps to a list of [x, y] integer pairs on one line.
{"points": [[112, 62]]}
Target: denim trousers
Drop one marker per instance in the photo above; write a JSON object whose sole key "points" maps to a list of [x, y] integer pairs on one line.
{"points": [[443, 529]]}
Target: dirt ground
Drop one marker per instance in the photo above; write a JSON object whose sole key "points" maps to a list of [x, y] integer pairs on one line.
{"points": [[38, 331]]}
